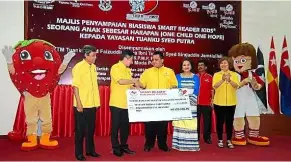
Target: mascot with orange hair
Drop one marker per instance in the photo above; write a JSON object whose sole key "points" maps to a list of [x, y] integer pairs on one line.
{"points": [[245, 61], [35, 67]]}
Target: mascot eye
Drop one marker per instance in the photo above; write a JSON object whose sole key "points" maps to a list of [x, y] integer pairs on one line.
{"points": [[48, 56], [24, 55], [243, 60], [236, 61]]}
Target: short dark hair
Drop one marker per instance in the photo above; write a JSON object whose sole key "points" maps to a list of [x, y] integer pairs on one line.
{"points": [[159, 53], [191, 63], [202, 61], [125, 53], [228, 59], [87, 49]]}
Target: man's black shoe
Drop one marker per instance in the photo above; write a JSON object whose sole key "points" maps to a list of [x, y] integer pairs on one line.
{"points": [[117, 153], [81, 158], [127, 151], [208, 141], [94, 154]]}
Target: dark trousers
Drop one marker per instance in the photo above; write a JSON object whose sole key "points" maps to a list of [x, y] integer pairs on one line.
{"points": [[224, 114], [84, 122], [206, 112], [153, 129], [120, 122]]}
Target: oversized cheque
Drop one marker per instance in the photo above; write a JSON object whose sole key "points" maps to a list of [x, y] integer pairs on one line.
{"points": [[158, 105]]}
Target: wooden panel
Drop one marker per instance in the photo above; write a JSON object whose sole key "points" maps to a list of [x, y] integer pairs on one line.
{"points": [[275, 125]]}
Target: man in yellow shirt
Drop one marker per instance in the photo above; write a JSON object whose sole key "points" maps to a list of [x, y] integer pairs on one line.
{"points": [[86, 100], [121, 81], [157, 77]]}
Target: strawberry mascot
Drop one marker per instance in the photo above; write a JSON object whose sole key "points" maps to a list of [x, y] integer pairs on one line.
{"points": [[35, 67], [245, 61]]}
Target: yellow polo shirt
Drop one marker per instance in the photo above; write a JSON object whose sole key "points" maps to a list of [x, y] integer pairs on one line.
{"points": [[118, 97], [158, 78], [225, 94], [85, 79]]}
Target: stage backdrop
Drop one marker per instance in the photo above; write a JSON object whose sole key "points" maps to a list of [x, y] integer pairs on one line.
{"points": [[195, 29]]}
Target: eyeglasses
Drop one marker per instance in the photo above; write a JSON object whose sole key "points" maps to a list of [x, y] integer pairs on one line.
{"points": [[242, 60]]}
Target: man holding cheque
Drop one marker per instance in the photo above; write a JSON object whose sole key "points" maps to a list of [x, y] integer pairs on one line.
{"points": [[121, 81], [157, 77]]}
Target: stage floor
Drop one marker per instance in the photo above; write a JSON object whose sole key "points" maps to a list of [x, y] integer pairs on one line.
{"points": [[279, 150]]}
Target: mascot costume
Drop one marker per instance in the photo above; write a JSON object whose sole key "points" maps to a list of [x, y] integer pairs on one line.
{"points": [[35, 67], [245, 61]]}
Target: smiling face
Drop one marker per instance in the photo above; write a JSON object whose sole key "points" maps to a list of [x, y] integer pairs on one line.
{"points": [[186, 66], [242, 63], [36, 66], [224, 65], [244, 57], [91, 57], [128, 60]]}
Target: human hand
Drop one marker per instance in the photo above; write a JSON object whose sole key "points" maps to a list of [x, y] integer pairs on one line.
{"points": [[253, 81], [132, 87], [79, 107], [255, 84], [246, 81], [135, 80], [137, 85], [223, 77], [227, 77]]}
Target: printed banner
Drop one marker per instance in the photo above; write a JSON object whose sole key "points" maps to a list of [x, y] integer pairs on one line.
{"points": [[158, 105], [194, 29]]}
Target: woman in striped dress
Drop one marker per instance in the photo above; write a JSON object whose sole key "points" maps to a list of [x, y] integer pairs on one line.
{"points": [[185, 136]]}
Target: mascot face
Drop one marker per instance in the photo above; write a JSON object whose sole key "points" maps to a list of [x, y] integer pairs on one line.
{"points": [[36, 64], [244, 57], [242, 63]]}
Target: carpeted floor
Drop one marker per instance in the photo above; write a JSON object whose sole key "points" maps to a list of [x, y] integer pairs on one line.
{"points": [[279, 150]]}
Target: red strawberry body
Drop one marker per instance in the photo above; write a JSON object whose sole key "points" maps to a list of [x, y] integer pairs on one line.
{"points": [[36, 64]]}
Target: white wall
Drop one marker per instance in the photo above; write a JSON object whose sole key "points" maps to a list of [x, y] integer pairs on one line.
{"points": [[11, 31], [260, 21]]}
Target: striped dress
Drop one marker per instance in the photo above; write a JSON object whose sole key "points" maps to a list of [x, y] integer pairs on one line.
{"points": [[187, 139]]}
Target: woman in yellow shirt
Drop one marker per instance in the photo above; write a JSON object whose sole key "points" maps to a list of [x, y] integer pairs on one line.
{"points": [[225, 84]]}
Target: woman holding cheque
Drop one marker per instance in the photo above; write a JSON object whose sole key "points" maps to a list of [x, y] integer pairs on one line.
{"points": [[185, 136]]}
